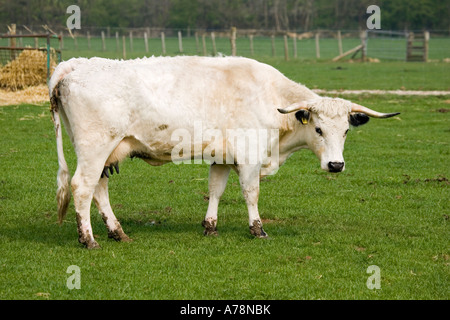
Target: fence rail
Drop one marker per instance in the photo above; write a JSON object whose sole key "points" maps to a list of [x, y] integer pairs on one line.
{"points": [[125, 43], [12, 50]]}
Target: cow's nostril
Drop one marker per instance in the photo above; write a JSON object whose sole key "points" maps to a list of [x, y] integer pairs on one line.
{"points": [[335, 166]]}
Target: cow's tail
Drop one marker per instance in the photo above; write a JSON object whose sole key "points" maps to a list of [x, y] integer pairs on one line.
{"points": [[63, 177]]}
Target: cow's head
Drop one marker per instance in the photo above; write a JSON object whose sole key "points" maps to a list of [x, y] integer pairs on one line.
{"points": [[325, 123]]}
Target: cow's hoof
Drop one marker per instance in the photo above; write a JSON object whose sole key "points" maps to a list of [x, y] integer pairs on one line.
{"points": [[210, 228], [119, 235], [91, 245], [257, 230], [88, 242]]}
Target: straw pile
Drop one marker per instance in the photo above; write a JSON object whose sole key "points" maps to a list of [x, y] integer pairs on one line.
{"points": [[27, 70], [35, 95]]}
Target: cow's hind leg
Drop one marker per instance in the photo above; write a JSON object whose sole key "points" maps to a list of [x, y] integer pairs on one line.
{"points": [[91, 163], [101, 199], [218, 176], [83, 185]]}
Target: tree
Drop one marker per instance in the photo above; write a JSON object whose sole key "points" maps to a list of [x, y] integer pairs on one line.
{"points": [[222, 14]]}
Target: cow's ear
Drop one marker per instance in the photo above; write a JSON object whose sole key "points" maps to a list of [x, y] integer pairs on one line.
{"points": [[358, 119], [302, 116]]}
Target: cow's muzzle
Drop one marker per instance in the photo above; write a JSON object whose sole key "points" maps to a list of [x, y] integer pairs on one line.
{"points": [[335, 166]]}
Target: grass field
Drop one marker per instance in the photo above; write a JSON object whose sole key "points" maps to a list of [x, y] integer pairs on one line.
{"points": [[384, 49], [315, 73], [390, 208]]}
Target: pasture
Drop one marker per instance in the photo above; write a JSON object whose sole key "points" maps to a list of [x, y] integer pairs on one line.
{"points": [[390, 208], [394, 48]]}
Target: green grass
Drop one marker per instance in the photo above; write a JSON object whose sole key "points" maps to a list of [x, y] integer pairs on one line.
{"points": [[357, 76], [389, 208]]}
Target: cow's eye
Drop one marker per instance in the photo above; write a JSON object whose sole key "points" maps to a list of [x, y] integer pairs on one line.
{"points": [[319, 131], [346, 131]]}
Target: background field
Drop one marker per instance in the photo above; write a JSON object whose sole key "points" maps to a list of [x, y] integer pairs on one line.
{"points": [[389, 208], [394, 47]]}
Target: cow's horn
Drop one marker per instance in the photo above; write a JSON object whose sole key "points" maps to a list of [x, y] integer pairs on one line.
{"points": [[294, 107], [371, 113]]}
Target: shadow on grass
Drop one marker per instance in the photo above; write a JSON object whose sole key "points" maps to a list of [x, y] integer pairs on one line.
{"points": [[53, 235]]}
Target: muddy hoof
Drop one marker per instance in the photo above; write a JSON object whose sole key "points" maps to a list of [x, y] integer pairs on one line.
{"points": [[210, 228], [119, 235], [88, 242], [92, 245], [257, 230]]}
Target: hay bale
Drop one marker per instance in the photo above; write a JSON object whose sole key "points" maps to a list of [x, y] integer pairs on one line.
{"points": [[28, 69]]}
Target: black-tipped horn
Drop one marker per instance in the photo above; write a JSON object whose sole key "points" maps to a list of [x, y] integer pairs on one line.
{"points": [[372, 113]]}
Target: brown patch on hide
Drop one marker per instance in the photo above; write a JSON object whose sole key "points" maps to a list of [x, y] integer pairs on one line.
{"points": [[54, 100], [163, 127]]}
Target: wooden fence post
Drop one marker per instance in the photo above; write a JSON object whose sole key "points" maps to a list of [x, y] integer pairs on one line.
{"points": [[339, 37], [20, 39], [12, 41], [61, 43], [124, 48], [286, 48], [233, 41], [88, 35], [295, 45], [117, 42], [163, 43], [426, 39], [197, 44], [363, 36], [146, 42], [180, 42], [204, 44], [250, 37], [131, 41], [317, 46], [103, 41], [213, 39]]}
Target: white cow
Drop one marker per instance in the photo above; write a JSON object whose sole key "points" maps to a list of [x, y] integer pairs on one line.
{"points": [[141, 108]]}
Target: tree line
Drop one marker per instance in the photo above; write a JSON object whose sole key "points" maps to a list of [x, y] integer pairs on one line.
{"points": [[294, 15]]}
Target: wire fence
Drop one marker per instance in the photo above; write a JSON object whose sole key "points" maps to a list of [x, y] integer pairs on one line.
{"points": [[126, 43]]}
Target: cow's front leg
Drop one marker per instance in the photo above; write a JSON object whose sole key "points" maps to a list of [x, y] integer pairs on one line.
{"points": [[249, 180], [101, 199], [218, 177]]}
